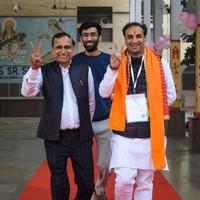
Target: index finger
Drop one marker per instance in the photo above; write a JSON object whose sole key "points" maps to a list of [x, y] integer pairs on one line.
{"points": [[36, 49], [39, 47], [32, 47], [118, 49]]}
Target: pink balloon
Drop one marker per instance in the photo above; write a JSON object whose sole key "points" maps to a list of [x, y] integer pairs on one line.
{"points": [[189, 32], [167, 45], [160, 40], [150, 45], [183, 17], [191, 22], [160, 43], [167, 37], [181, 28], [159, 47], [193, 25]]}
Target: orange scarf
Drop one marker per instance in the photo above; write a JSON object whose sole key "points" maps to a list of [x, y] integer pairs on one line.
{"points": [[157, 103]]}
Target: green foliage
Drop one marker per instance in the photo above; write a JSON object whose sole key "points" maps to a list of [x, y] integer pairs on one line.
{"points": [[182, 101], [184, 3], [189, 56]]}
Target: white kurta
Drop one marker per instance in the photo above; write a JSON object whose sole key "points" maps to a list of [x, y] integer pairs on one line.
{"points": [[134, 152], [131, 153]]}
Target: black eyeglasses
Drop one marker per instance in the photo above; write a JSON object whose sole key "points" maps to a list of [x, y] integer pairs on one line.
{"points": [[60, 47]]}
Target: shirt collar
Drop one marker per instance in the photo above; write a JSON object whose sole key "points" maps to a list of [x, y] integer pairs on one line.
{"points": [[65, 69]]}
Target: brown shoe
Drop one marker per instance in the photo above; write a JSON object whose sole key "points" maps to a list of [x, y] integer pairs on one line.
{"points": [[99, 196]]}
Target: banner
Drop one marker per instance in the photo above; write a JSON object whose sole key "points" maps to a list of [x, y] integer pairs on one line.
{"points": [[12, 73]]}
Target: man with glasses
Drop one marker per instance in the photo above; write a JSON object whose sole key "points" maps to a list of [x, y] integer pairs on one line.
{"points": [[65, 125], [90, 35]]}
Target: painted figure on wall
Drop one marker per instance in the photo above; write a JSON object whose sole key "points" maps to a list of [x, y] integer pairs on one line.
{"points": [[12, 45]]}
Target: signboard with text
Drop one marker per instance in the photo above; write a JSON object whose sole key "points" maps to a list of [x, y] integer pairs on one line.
{"points": [[12, 73]]}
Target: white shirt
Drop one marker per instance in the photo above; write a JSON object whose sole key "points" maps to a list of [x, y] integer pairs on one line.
{"points": [[32, 84], [134, 152]]}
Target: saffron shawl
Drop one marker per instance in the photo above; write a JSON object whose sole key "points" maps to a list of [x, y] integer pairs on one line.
{"points": [[156, 100]]}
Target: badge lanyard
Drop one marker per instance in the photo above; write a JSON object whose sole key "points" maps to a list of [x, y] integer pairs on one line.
{"points": [[138, 74]]}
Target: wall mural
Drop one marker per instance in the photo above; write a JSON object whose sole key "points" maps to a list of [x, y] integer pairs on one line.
{"points": [[16, 33]]}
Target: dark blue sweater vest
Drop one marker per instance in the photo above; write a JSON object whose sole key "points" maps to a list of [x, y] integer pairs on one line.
{"points": [[98, 65], [49, 127]]}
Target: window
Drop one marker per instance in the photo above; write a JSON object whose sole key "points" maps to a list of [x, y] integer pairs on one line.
{"points": [[102, 15], [107, 34]]}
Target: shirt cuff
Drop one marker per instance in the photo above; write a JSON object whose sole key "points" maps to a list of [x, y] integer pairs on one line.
{"points": [[112, 73], [33, 75]]}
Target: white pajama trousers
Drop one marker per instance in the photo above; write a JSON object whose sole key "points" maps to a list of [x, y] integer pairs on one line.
{"points": [[125, 181]]}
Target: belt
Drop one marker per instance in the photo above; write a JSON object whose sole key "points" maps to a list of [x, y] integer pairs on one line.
{"points": [[70, 131]]}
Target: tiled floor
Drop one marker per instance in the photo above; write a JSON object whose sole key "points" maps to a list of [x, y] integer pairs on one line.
{"points": [[21, 152]]}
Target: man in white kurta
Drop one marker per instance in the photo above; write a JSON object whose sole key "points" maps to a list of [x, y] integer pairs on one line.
{"points": [[131, 157]]}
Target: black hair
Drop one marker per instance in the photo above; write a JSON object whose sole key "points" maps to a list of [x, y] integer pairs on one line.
{"points": [[87, 25], [62, 34], [143, 26]]}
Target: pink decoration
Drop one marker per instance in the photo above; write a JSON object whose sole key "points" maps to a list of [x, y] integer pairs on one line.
{"points": [[183, 17], [167, 45], [167, 37], [188, 21], [150, 45], [189, 31], [162, 43], [181, 28], [192, 22]]}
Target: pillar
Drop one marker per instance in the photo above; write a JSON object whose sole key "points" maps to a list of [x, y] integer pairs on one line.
{"points": [[157, 18], [135, 10], [176, 9], [147, 18]]}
